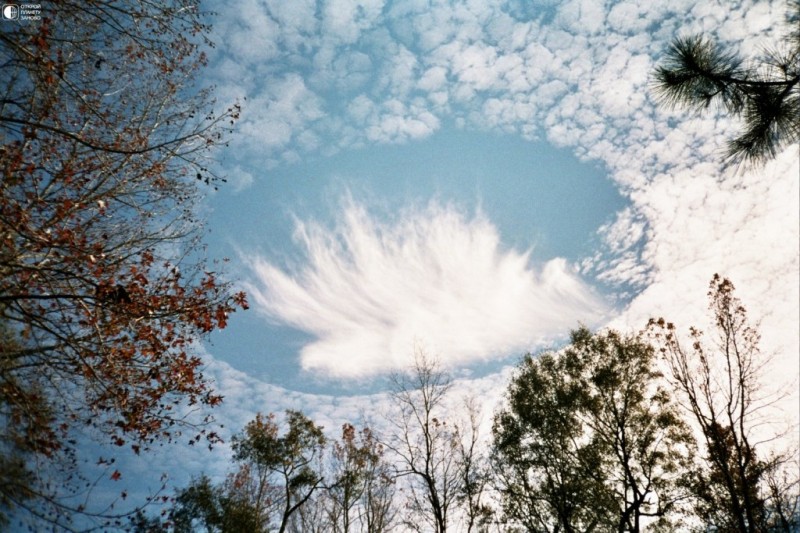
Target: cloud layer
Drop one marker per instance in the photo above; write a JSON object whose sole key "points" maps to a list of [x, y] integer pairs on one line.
{"points": [[573, 72], [370, 290]]}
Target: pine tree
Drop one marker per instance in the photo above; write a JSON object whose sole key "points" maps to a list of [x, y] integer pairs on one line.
{"points": [[763, 92]]}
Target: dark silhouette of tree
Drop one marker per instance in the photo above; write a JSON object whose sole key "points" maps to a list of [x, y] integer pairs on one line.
{"points": [[276, 475], [213, 508], [289, 462], [230, 507], [764, 92], [104, 146], [719, 382], [542, 469], [590, 440]]}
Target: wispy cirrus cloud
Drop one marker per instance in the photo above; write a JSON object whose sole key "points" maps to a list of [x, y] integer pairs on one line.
{"points": [[369, 290]]}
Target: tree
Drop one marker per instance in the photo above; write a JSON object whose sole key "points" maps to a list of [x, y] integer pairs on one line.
{"points": [[764, 94], [199, 502], [632, 415], [279, 484], [361, 490], [103, 292], [229, 507], [543, 470], [474, 473], [589, 439], [276, 475], [377, 501], [424, 444], [720, 387], [288, 461], [429, 450]]}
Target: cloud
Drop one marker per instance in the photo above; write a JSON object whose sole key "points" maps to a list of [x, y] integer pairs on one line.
{"points": [[240, 179], [572, 72], [344, 20], [276, 121], [369, 290]]}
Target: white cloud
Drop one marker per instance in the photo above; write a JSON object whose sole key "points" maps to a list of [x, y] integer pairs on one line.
{"points": [[369, 290], [346, 19], [274, 119], [240, 179], [580, 16], [352, 70], [578, 79], [392, 120], [400, 72], [743, 225], [297, 21], [433, 79], [248, 36], [458, 54]]}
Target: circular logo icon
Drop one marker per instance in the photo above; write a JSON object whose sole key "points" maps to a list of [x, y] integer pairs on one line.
{"points": [[10, 12]]}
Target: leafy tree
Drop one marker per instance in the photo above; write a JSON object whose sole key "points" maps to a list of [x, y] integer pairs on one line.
{"points": [[102, 290], [226, 508], [765, 94], [633, 417], [140, 522], [288, 461], [278, 484], [719, 381], [276, 476], [544, 470], [589, 439], [199, 502]]}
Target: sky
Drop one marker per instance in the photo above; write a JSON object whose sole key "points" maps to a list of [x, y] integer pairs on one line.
{"points": [[473, 178]]}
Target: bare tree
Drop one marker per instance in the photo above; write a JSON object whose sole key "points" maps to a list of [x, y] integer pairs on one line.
{"points": [[426, 443], [475, 474], [720, 385], [360, 493], [312, 516], [378, 506]]}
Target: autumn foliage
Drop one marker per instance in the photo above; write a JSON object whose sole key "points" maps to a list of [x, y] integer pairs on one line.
{"points": [[104, 154]]}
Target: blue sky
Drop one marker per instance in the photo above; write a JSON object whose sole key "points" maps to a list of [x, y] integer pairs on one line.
{"points": [[476, 178]]}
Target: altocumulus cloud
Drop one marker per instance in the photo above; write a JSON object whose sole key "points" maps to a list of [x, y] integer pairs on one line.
{"points": [[369, 291]]}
